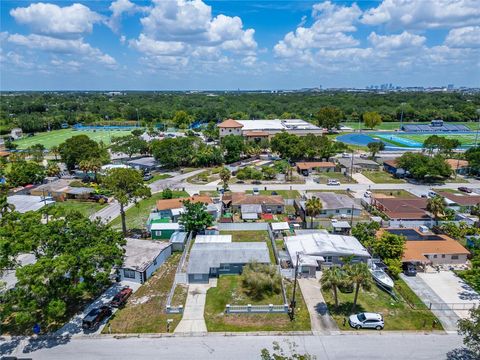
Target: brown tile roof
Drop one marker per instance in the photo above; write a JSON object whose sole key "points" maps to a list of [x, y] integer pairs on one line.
{"points": [[314, 164], [392, 163], [230, 123], [456, 164], [402, 208], [166, 204], [462, 200], [4, 153], [415, 250], [239, 198]]}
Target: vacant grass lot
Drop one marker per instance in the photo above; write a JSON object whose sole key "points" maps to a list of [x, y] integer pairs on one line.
{"points": [[408, 313], [396, 193], [229, 291], [252, 236], [382, 177], [145, 310], [137, 215], [56, 137], [86, 208]]}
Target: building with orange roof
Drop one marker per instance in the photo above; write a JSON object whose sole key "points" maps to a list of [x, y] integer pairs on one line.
{"points": [[305, 168], [457, 165], [430, 249], [173, 208], [266, 128], [237, 201]]}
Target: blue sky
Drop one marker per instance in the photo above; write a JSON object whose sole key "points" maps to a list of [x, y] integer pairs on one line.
{"points": [[184, 44]]}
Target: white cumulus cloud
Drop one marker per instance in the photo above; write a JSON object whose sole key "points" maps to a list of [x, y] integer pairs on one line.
{"points": [[468, 36]]}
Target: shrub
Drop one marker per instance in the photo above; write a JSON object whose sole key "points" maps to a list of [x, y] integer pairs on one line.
{"points": [[260, 280], [167, 194]]}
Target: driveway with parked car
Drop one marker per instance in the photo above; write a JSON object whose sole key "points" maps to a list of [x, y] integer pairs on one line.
{"points": [[97, 313]]}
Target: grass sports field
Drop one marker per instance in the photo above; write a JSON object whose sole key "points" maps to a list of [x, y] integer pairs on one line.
{"points": [[465, 139], [56, 137]]}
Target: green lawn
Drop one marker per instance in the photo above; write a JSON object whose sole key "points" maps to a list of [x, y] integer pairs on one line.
{"points": [[334, 175], [229, 291], [408, 313], [145, 310], [137, 215], [465, 139], [56, 137], [252, 236], [382, 177], [397, 193], [158, 177], [86, 208], [286, 194]]}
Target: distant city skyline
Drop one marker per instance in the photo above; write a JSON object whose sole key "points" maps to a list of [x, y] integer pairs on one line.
{"points": [[247, 45]]}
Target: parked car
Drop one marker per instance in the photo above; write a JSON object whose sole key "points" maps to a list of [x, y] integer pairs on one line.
{"points": [[95, 317], [409, 269], [240, 182], [368, 194], [274, 193], [98, 197], [147, 177], [121, 297], [256, 182], [255, 191], [465, 189], [346, 155], [366, 321], [364, 156], [333, 182]]}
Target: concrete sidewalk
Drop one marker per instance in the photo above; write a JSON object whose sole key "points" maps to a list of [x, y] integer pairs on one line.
{"points": [[193, 320], [320, 320], [362, 179]]}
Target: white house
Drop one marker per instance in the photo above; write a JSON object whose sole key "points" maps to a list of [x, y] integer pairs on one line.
{"points": [[142, 258]]}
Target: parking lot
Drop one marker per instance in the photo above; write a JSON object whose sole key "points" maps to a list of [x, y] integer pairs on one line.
{"points": [[452, 290]]}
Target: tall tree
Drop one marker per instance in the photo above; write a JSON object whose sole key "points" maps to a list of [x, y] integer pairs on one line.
{"points": [[126, 186], [329, 117], [366, 233], [375, 147], [81, 147], [332, 279], [358, 275], [233, 146], [372, 119], [225, 175], [313, 207], [436, 205], [129, 145], [25, 172], [195, 218]]}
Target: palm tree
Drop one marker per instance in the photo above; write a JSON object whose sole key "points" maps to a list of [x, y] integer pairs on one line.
{"points": [[332, 279], [85, 166], [225, 175], [313, 207], [55, 151], [358, 275], [95, 166], [436, 206]]}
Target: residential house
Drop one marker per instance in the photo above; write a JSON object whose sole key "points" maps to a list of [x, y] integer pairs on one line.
{"points": [[212, 259], [460, 202], [320, 249], [430, 249], [359, 164], [163, 229], [173, 208], [60, 190], [260, 129], [391, 167], [333, 205], [459, 166], [403, 212], [146, 163], [142, 258], [268, 203], [306, 168]]}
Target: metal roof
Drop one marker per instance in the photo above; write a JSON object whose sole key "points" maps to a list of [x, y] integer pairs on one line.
{"points": [[24, 203], [278, 226], [251, 208], [178, 237], [139, 254], [165, 226], [203, 257], [204, 239]]}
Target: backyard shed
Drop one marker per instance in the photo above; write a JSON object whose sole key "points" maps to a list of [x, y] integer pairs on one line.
{"points": [[178, 240], [163, 230]]}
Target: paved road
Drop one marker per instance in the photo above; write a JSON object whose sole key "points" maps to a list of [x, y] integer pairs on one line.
{"points": [[192, 319], [319, 317], [368, 345], [448, 318], [111, 211]]}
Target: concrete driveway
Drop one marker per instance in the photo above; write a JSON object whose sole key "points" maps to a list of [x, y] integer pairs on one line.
{"points": [[320, 320], [452, 290], [74, 326], [193, 320]]}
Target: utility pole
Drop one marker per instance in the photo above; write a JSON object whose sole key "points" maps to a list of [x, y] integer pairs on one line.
{"points": [[294, 302], [401, 116], [351, 166]]}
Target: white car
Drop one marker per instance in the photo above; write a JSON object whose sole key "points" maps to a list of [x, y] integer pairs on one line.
{"points": [[333, 182], [368, 194], [346, 155], [366, 321]]}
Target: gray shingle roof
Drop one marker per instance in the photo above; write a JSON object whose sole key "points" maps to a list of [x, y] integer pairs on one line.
{"points": [[203, 257]]}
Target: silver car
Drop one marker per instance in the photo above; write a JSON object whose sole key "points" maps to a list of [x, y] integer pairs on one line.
{"points": [[366, 321]]}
